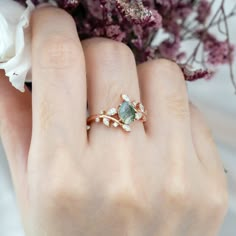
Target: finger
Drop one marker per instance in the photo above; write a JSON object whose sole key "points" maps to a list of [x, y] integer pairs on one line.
{"points": [[111, 71], [203, 142], [163, 90], [59, 83], [15, 131]]}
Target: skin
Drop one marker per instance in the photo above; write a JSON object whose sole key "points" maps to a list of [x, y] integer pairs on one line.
{"points": [[165, 178]]}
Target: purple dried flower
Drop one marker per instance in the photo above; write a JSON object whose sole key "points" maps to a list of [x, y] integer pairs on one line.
{"points": [[181, 10], [68, 4], [94, 8], [134, 11], [155, 20], [169, 49], [150, 53], [114, 32], [218, 52], [203, 11], [138, 43], [98, 32], [191, 75], [138, 30], [167, 3], [181, 56]]}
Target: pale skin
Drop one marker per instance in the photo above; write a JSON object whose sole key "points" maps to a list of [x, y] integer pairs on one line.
{"points": [[164, 178]]}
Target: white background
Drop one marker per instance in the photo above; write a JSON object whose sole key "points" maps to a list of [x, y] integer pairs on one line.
{"points": [[217, 101]]}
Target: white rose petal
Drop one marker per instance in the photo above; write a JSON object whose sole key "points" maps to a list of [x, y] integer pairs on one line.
{"points": [[15, 54], [8, 24], [15, 41]]}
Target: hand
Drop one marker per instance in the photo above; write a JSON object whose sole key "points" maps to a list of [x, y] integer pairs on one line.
{"points": [[164, 178]]}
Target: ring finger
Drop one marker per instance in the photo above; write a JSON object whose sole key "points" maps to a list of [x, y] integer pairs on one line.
{"points": [[111, 71]]}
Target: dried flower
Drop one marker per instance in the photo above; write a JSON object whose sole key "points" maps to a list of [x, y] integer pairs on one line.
{"points": [[134, 11], [114, 31], [191, 75], [137, 22], [218, 52], [203, 11], [169, 49]]}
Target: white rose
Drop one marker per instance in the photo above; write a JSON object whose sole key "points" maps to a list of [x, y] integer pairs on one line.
{"points": [[15, 41]]}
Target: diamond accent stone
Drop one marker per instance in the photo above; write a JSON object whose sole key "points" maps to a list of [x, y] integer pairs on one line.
{"points": [[112, 112], [106, 121], [125, 97], [138, 115], [126, 127], [88, 127], [97, 119], [115, 124], [141, 107], [126, 113]]}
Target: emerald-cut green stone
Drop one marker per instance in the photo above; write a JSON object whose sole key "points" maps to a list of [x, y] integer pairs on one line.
{"points": [[126, 113]]}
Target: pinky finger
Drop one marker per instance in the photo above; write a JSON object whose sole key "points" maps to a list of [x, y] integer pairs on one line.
{"points": [[209, 158], [203, 141]]}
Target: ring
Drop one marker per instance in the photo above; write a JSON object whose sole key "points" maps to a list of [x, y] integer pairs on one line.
{"points": [[122, 116]]}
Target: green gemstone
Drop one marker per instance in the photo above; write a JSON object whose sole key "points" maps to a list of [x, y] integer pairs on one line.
{"points": [[126, 113]]}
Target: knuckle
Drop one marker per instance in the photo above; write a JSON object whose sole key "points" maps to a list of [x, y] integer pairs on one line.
{"points": [[56, 196], [45, 115], [125, 193], [219, 202], [177, 105], [177, 193], [63, 184], [58, 51], [56, 191], [126, 200]]}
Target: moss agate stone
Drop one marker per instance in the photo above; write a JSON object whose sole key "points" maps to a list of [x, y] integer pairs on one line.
{"points": [[126, 113]]}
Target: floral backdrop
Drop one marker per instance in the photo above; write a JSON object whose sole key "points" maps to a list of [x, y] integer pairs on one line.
{"points": [[137, 23]]}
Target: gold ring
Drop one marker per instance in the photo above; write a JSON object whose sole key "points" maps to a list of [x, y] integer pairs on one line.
{"points": [[122, 116]]}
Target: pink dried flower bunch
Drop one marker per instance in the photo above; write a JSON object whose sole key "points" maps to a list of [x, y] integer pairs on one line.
{"points": [[203, 11], [137, 22], [218, 52]]}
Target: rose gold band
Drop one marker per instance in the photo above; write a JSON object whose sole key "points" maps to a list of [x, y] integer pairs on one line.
{"points": [[126, 112]]}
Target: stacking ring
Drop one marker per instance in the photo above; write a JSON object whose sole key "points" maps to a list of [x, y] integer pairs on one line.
{"points": [[122, 116]]}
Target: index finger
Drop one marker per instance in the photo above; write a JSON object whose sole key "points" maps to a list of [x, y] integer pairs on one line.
{"points": [[59, 81]]}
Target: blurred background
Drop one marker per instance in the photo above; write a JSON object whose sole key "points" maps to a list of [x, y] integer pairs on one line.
{"points": [[217, 101]]}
